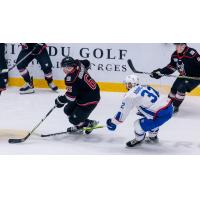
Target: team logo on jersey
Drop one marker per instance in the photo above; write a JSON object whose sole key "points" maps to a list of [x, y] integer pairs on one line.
{"points": [[69, 88], [192, 52], [68, 78], [175, 59], [180, 66]]}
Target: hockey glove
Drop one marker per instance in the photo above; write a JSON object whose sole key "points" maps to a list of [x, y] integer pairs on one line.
{"points": [[156, 74], [111, 126], [60, 101]]}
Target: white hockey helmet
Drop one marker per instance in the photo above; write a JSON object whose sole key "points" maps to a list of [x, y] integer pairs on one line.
{"points": [[131, 81]]}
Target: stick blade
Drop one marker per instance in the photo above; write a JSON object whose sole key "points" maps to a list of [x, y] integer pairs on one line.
{"points": [[18, 140], [14, 141]]}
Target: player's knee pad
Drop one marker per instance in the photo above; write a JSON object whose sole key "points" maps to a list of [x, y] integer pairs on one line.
{"points": [[69, 108], [74, 120]]}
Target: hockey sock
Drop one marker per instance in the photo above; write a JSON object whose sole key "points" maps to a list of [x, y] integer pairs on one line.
{"points": [[26, 76]]}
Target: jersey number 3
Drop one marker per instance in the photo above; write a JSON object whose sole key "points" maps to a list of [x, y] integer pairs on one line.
{"points": [[91, 83], [150, 94]]}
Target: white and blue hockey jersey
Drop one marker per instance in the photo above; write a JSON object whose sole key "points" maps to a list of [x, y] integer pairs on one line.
{"points": [[146, 99]]}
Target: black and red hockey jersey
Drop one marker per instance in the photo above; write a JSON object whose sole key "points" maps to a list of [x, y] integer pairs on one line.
{"points": [[81, 87], [187, 63]]}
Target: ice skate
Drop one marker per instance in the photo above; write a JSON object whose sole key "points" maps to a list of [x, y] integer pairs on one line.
{"points": [[53, 87], [133, 143], [151, 139], [91, 124], [26, 89], [74, 130]]}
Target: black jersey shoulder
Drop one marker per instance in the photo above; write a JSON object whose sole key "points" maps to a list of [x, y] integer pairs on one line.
{"points": [[191, 52], [188, 53]]}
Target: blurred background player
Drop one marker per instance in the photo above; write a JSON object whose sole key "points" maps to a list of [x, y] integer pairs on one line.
{"points": [[41, 55], [156, 110], [2, 83], [3, 65], [187, 61], [82, 95]]}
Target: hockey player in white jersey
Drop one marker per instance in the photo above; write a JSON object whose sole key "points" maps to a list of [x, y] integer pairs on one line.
{"points": [[156, 110]]}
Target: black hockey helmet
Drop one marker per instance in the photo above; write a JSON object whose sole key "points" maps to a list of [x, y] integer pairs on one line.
{"points": [[68, 62], [180, 43]]}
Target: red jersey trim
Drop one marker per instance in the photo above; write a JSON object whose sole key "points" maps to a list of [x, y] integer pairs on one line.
{"points": [[163, 108], [89, 103]]}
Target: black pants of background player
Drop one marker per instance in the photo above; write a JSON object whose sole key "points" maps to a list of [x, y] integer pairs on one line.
{"points": [[44, 61], [78, 115], [3, 63], [179, 89]]}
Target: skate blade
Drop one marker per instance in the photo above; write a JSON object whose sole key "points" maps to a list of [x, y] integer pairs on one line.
{"points": [[31, 92]]}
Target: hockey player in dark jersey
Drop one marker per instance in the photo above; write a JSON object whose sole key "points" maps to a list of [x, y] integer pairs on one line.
{"points": [[2, 83], [81, 97], [187, 61], [3, 65], [41, 55]]}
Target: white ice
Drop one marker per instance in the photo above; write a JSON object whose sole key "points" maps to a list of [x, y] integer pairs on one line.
{"points": [[20, 113]]}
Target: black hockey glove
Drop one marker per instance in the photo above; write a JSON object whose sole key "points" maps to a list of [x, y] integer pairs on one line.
{"points": [[60, 101], [156, 74]]}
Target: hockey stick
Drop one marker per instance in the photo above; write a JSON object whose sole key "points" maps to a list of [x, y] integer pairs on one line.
{"points": [[64, 132], [7, 70], [130, 63], [28, 135]]}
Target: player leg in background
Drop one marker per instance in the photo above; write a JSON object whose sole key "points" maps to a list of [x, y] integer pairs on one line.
{"points": [[46, 66], [22, 67], [3, 63], [181, 86], [144, 125], [2, 83], [78, 116]]}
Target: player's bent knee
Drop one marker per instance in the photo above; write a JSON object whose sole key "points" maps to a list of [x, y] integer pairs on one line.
{"points": [[73, 120]]}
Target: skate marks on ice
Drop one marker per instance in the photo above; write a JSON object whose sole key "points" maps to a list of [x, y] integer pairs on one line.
{"points": [[112, 144]]}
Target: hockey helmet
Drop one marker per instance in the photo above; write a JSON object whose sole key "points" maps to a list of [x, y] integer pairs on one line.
{"points": [[68, 62], [180, 43], [131, 81]]}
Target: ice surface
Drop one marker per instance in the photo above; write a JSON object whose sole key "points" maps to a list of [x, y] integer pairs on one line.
{"points": [[20, 113]]}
